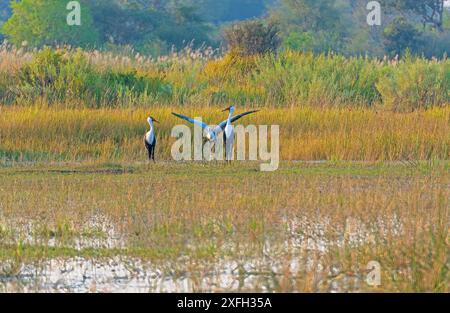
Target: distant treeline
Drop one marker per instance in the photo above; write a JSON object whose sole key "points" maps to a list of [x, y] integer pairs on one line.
{"points": [[154, 27], [151, 27]]}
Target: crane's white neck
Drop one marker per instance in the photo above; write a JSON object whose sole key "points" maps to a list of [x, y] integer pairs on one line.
{"points": [[230, 115], [150, 122]]}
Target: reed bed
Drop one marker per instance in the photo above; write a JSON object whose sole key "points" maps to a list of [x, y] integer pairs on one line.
{"points": [[102, 135], [65, 77]]}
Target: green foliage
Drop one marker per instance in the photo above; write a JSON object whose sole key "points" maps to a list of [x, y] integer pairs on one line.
{"points": [[252, 37], [299, 41], [150, 30], [415, 84], [155, 27], [401, 35], [446, 20], [307, 15], [316, 42], [340, 26], [134, 86], [43, 22], [56, 77], [430, 11], [121, 25], [321, 20], [182, 25], [435, 44], [109, 24], [321, 80], [288, 78]]}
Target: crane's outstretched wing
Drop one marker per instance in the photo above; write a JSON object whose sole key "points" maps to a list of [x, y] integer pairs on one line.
{"points": [[221, 126], [191, 120], [237, 117]]}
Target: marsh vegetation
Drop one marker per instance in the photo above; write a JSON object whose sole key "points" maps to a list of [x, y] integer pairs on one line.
{"points": [[203, 227], [71, 78]]}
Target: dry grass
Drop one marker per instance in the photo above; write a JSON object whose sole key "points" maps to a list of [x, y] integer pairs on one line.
{"points": [[39, 134]]}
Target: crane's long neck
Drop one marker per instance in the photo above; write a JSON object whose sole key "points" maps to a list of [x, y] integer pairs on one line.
{"points": [[150, 122], [230, 116]]}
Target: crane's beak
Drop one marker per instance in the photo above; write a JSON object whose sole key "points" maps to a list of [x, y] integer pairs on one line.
{"points": [[227, 109], [154, 120]]}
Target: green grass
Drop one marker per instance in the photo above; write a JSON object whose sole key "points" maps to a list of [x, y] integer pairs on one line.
{"points": [[200, 169]]}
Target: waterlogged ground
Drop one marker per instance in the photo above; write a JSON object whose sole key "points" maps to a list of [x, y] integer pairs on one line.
{"points": [[310, 227]]}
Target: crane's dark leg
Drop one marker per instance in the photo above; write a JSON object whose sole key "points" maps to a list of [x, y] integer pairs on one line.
{"points": [[225, 146], [149, 150], [153, 153]]}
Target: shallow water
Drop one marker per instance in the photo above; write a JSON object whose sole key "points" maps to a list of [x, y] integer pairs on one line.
{"points": [[121, 274], [306, 243]]}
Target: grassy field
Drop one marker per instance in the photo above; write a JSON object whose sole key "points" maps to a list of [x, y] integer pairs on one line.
{"points": [[116, 135], [306, 227]]}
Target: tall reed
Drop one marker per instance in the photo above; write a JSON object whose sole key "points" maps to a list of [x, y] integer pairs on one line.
{"points": [[49, 134], [76, 78]]}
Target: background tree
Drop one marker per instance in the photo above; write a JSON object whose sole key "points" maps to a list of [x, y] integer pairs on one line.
{"points": [[316, 25], [148, 26], [44, 22], [401, 36], [134, 24], [431, 12], [184, 25], [252, 37], [154, 26]]}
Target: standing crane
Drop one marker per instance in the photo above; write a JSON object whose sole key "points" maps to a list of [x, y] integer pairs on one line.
{"points": [[150, 139]]}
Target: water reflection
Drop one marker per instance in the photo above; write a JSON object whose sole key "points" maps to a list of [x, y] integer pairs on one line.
{"points": [[280, 266]]}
